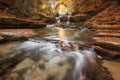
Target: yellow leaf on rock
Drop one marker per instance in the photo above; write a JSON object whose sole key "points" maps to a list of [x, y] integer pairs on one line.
{"points": [[100, 57]]}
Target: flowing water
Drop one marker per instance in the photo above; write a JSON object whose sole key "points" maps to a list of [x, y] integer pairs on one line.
{"points": [[55, 46], [83, 35]]}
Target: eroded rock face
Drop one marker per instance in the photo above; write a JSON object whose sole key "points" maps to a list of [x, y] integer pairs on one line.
{"points": [[88, 5], [35, 7], [41, 10], [7, 1], [27, 7], [15, 34]]}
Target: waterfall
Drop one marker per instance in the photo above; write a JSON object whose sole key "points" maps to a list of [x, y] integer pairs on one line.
{"points": [[84, 58]]}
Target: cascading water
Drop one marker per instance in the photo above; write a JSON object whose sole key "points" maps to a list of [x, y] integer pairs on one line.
{"points": [[84, 58], [63, 10], [60, 15]]}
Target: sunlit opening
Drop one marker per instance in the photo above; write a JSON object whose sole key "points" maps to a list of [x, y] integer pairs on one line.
{"points": [[61, 8]]}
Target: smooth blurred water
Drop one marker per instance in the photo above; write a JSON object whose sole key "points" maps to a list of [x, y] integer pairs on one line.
{"points": [[83, 35], [46, 42]]}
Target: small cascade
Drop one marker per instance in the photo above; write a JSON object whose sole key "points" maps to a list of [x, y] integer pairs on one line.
{"points": [[63, 11], [84, 57], [60, 15]]}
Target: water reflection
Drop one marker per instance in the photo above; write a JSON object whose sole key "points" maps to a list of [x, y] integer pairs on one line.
{"points": [[83, 35], [61, 33], [52, 58], [56, 53]]}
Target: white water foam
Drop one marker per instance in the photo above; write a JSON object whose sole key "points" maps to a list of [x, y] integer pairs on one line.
{"points": [[82, 57]]}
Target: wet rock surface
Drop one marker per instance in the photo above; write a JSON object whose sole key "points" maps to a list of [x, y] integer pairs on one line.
{"points": [[1, 39], [108, 41], [28, 69], [102, 16], [8, 35], [23, 65]]}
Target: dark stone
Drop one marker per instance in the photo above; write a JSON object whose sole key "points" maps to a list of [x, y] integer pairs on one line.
{"points": [[20, 78], [35, 57], [8, 38], [42, 66], [108, 46], [2, 6], [101, 73], [71, 62], [60, 63], [7, 2], [51, 77], [118, 1], [21, 72], [1, 39], [68, 75]]}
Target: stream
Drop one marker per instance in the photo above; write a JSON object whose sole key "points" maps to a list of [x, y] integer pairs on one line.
{"points": [[52, 54]]}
